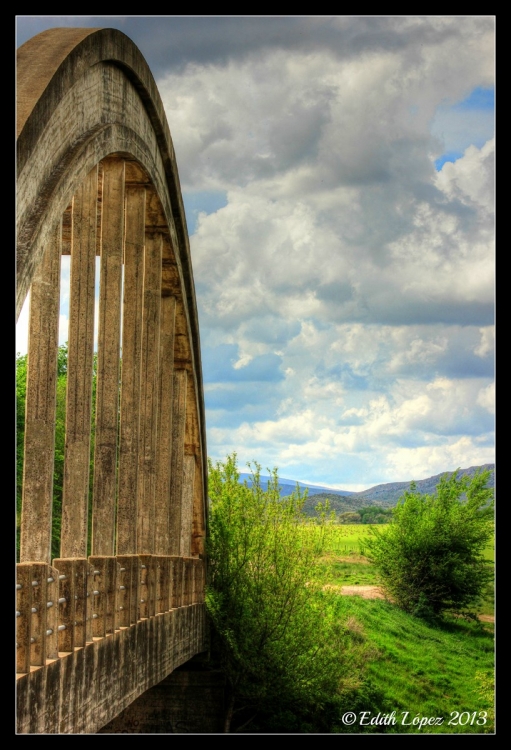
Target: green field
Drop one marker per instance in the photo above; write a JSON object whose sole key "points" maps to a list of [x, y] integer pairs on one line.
{"points": [[347, 539], [428, 670], [343, 564]]}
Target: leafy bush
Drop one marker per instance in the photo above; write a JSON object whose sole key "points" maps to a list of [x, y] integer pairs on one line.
{"points": [[430, 558], [280, 644]]}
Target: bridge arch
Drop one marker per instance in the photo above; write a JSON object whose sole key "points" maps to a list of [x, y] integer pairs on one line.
{"points": [[97, 176]]}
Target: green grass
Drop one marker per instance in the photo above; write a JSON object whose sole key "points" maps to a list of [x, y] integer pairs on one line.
{"points": [[427, 670], [343, 540], [340, 572], [343, 565], [399, 663]]}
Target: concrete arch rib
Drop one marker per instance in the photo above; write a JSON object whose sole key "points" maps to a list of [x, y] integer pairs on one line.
{"points": [[63, 61], [83, 95]]}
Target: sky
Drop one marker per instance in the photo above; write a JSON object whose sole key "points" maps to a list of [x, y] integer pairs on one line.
{"points": [[338, 179]]}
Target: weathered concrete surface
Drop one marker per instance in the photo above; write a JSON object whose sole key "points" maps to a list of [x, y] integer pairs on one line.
{"points": [[163, 474], [91, 133], [82, 691], [84, 95], [130, 372], [149, 394], [41, 392], [189, 701], [107, 382], [75, 496], [177, 465]]}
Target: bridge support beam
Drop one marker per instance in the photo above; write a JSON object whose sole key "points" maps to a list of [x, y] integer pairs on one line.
{"points": [[191, 700], [82, 691]]}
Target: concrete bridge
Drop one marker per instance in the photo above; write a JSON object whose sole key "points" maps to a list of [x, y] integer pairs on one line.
{"points": [[97, 176]]}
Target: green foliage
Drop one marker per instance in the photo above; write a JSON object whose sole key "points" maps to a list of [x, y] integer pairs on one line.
{"points": [[375, 514], [278, 641], [486, 692], [349, 516], [431, 557], [60, 429]]}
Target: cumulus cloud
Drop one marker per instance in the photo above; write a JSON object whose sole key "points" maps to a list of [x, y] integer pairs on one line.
{"points": [[345, 286]]}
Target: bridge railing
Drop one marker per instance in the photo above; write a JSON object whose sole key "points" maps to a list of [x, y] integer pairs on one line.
{"points": [[66, 605]]}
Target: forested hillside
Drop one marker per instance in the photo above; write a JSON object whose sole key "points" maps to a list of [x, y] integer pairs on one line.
{"points": [[387, 495]]}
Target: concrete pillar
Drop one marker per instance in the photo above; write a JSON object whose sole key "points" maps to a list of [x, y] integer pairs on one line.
{"points": [[164, 448], [177, 465], [37, 498], [198, 521], [79, 369], [130, 371], [107, 384], [149, 391], [187, 506]]}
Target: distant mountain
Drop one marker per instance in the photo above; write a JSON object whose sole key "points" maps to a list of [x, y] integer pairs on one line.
{"points": [[385, 495], [287, 486]]}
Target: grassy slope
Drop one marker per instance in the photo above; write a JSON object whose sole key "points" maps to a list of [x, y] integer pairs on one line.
{"points": [[424, 669], [428, 670]]}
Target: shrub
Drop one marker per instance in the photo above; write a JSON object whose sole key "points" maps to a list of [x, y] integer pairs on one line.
{"points": [[282, 647], [430, 557]]}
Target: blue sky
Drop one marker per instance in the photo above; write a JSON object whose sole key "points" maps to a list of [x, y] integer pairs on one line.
{"points": [[337, 174]]}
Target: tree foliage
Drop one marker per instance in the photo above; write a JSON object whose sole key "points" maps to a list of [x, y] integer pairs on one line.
{"points": [[430, 557], [275, 637], [375, 514]]}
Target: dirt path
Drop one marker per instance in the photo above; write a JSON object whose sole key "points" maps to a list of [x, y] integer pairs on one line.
{"points": [[366, 592], [487, 618], [375, 592]]}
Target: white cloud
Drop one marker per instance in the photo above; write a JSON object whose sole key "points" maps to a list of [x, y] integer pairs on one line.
{"points": [[471, 178], [486, 398], [22, 328], [487, 342]]}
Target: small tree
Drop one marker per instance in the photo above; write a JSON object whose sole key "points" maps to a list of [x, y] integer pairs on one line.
{"points": [[278, 642], [430, 557]]}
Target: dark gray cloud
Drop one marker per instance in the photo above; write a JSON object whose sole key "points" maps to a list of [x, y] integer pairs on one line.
{"points": [[171, 42]]}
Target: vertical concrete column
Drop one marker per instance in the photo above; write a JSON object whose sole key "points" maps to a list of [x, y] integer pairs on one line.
{"points": [[129, 578], [105, 593], [177, 465], [198, 522], [187, 507], [130, 372], [67, 604], [52, 618], [39, 582], [40, 403], [23, 616], [79, 369], [149, 391], [107, 384], [164, 448]]}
